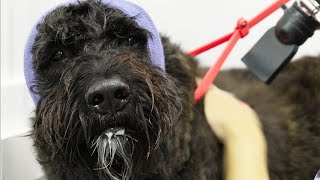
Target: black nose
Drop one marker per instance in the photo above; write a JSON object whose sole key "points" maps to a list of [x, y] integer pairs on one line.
{"points": [[108, 95]]}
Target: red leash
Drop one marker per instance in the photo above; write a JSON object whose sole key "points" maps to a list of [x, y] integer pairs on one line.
{"points": [[240, 31]]}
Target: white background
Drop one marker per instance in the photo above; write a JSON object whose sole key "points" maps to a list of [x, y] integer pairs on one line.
{"points": [[188, 23]]}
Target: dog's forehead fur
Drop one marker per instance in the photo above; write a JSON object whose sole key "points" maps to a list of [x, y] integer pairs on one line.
{"points": [[86, 28], [89, 21]]}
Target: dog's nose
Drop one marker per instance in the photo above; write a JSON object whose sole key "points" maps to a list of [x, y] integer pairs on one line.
{"points": [[108, 95]]}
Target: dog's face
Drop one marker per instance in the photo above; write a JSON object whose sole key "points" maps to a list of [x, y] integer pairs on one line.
{"points": [[104, 106]]}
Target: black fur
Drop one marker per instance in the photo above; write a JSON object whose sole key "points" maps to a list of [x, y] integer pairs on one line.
{"points": [[167, 136], [288, 110]]}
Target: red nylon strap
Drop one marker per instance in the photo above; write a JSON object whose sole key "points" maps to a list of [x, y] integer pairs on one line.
{"points": [[214, 70], [210, 45], [241, 31]]}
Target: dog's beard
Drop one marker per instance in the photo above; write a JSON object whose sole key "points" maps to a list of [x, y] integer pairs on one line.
{"points": [[120, 144], [114, 148]]}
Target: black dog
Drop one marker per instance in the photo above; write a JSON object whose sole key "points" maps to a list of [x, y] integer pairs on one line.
{"points": [[106, 111]]}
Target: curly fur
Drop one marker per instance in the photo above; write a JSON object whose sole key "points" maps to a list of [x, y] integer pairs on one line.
{"points": [[167, 136]]}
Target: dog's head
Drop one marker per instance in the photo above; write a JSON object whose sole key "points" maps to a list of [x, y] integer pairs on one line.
{"points": [[104, 101]]}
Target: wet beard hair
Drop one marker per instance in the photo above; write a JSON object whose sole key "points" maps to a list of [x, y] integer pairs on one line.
{"points": [[114, 149]]}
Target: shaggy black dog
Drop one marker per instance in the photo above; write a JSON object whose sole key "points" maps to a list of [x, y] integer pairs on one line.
{"points": [[106, 112]]}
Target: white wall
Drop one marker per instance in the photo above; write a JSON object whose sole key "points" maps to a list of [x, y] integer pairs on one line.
{"points": [[189, 23], [194, 23]]}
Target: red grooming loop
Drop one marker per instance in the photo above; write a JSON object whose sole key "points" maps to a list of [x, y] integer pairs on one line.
{"points": [[240, 31]]}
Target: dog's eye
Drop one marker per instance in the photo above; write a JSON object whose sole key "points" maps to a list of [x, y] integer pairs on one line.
{"points": [[132, 41], [57, 55]]}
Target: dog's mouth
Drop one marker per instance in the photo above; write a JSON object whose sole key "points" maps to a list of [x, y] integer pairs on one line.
{"points": [[117, 132], [113, 132]]}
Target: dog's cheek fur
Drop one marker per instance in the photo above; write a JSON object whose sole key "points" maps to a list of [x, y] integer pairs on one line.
{"points": [[59, 137]]}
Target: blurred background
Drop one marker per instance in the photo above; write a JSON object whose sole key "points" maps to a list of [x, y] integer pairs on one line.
{"points": [[188, 23]]}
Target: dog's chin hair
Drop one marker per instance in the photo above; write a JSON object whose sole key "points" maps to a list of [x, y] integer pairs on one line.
{"points": [[116, 151]]}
